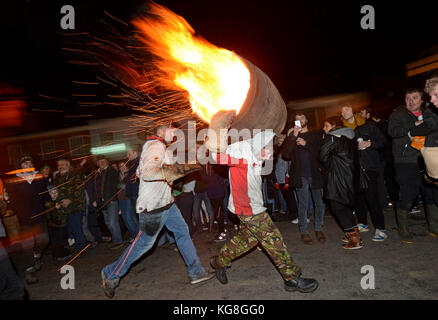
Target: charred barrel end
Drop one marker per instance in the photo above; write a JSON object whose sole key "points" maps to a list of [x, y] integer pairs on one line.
{"points": [[264, 108]]}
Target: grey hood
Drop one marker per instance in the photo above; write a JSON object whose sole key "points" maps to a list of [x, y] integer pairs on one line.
{"points": [[346, 132]]}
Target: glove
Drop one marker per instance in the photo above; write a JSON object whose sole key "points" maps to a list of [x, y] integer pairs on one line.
{"points": [[176, 171], [286, 187], [217, 134], [277, 186]]}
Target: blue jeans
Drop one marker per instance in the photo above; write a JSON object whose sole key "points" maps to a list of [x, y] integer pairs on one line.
{"points": [[74, 223], [111, 217], [199, 197], [163, 236], [128, 216], [283, 204], [150, 227], [309, 203], [303, 195]]}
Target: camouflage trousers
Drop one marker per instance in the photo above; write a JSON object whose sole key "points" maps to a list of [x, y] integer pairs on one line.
{"points": [[260, 229]]}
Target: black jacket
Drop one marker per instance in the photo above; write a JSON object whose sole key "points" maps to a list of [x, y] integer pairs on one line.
{"points": [[110, 186], [402, 121], [25, 199], [370, 157], [131, 180], [339, 156], [429, 127], [386, 152], [290, 152]]}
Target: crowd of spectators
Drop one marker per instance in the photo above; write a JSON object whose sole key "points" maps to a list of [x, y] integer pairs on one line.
{"points": [[357, 164]]}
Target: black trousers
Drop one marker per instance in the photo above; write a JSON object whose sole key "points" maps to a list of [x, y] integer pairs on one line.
{"points": [[390, 181], [343, 215], [36, 241], [291, 203], [184, 201], [58, 241], [93, 225], [410, 180], [370, 200], [382, 191], [104, 231], [430, 193], [219, 213]]}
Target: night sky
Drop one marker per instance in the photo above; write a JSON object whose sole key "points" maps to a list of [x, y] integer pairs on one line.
{"points": [[307, 48]]}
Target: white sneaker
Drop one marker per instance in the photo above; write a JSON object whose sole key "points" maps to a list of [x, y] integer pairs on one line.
{"points": [[363, 227], [380, 235], [71, 242], [295, 221]]}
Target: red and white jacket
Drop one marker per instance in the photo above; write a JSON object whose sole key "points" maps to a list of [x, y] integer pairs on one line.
{"points": [[246, 196]]}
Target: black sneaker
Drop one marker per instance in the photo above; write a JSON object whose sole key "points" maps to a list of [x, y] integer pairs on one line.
{"points": [[37, 261], [301, 284], [221, 237], [109, 286], [30, 276], [221, 273]]}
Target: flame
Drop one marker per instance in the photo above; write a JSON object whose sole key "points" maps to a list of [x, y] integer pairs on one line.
{"points": [[215, 78]]}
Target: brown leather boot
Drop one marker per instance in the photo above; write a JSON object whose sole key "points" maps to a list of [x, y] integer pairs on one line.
{"points": [[320, 236], [306, 239], [354, 240]]}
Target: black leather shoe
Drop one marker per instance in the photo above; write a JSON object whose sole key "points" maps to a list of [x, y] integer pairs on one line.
{"points": [[301, 284], [221, 273]]}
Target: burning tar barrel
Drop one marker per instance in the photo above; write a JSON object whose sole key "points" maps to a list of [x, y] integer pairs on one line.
{"points": [[264, 107], [211, 78]]}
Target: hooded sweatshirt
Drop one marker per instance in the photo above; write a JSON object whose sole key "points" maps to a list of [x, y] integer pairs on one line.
{"points": [[346, 132], [246, 197], [358, 121]]}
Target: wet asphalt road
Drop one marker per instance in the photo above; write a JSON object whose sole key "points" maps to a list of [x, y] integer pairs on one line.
{"points": [[401, 271]]}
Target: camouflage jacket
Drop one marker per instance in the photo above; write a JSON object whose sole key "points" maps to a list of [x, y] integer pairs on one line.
{"points": [[55, 217], [71, 186]]}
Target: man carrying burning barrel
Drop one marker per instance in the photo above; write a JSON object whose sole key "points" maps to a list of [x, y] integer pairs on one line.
{"points": [[245, 159]]}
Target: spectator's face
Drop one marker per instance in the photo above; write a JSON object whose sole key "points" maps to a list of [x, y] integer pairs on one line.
{"points": [[54, 193], [26, 164], [131, 155], [347, 113], [45, 172], [63, 166], [434, 97], [327, 127], [302, 119], [413, 101], [102, 163], [364, 114]]}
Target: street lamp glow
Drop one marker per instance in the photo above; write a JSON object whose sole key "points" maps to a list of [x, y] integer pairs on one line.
{"points": [[109, 149]]}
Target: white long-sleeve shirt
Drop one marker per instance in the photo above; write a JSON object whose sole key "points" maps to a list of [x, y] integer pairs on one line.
{"points": [[158, 194]]}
